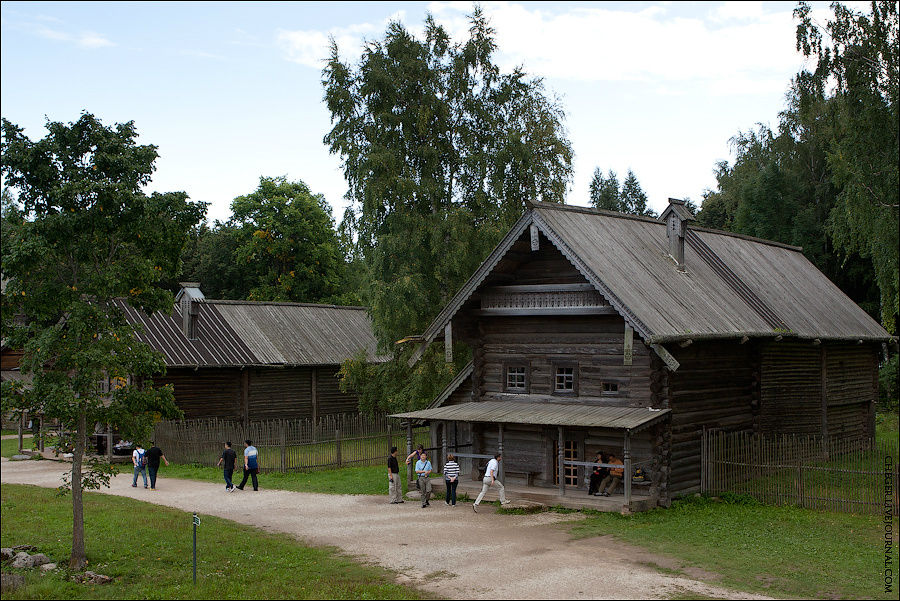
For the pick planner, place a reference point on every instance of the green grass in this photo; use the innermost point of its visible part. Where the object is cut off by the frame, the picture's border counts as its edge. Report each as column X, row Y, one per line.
column 887, row 426
column 778, row 551
column 147, row 550
column 10, row 447
column 370, row 480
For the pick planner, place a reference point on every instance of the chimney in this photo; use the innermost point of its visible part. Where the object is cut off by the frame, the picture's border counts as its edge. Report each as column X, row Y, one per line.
column 188, row 301
column 677, row 218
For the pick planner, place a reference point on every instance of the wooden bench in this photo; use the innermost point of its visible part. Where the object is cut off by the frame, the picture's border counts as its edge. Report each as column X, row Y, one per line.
column 528, row 475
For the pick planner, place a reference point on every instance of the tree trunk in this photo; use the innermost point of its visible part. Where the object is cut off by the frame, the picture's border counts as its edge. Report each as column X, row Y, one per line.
column 78, row 558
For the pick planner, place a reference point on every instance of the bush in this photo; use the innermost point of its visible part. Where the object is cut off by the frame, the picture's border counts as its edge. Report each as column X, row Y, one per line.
column 887, row 383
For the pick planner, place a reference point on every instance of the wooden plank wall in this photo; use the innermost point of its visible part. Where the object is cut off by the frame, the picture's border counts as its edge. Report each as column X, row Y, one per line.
column 328, row 393
column 595, row 343
column 11, row 358
column 205, row 392
column 280, row 393
column 852, row 390
column 715, row 387
column 790, row 388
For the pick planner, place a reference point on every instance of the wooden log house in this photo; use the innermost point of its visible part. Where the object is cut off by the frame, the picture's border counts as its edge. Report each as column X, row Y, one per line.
column 599, row 331
column 248, row 360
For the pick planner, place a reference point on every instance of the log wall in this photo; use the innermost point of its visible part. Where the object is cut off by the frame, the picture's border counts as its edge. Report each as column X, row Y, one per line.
column 594, row 343
column 715, row 387
column 271, row 393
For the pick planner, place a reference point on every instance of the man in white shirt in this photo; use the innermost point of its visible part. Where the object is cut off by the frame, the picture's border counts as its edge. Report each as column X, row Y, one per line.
column 490, row 478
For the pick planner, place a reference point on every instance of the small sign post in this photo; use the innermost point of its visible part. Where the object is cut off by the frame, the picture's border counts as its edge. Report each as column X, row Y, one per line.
column 196, row 523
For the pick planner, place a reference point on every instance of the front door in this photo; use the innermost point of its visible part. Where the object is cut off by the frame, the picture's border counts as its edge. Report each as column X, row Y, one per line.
column 570, row 453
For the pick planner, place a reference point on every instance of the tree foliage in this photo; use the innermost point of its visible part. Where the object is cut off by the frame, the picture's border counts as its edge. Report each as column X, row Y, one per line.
column 80, row 233
column 795, row 185
column 859, row 54
column 441, row 151
column 286, row 239
column 608, row 195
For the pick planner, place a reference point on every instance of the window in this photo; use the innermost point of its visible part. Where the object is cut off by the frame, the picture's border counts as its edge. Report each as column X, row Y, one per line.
column 610, row 387
column 564, row 379
column 516, row 378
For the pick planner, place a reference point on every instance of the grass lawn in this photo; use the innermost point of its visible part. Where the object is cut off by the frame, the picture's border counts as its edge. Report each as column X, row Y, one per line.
column 147, row 550
column 777, row 551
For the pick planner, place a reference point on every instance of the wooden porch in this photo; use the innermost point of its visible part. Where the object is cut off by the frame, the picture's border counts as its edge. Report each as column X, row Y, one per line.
column 521, row 495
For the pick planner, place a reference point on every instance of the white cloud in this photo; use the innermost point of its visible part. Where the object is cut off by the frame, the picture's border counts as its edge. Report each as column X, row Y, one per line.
column 85, row 39
column 310, row 47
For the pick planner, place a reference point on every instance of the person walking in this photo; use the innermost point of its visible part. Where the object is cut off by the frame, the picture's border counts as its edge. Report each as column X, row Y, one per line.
column 251, row 465
column 139, row 459
column 228, row 461
column 154, row 454
column 395, row 484
column 490, row 479
column 451, row 480
column 418, row 455
column 423, row 470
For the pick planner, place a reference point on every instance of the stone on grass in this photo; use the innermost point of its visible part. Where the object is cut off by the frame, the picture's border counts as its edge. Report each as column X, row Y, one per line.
column 47, row 567
column 23, row 560
column 20, row 457
column 94, row 578
column 6, row 553
column 10, row 582
column 24, row 548
column 413, row 495
column 39, row 559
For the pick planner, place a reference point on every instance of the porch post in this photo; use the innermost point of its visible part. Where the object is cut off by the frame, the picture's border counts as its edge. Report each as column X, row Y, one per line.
column 626, row 509
column 561, row 458
column 109, row 442
column 500, row 469
column 409, row 445
column 443, row 445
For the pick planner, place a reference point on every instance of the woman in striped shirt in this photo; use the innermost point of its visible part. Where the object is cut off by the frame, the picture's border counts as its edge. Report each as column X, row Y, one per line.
column 451, row 480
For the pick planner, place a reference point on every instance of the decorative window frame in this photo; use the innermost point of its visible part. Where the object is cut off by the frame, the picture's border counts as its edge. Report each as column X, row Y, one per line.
column 505, row 375
column 557, row 365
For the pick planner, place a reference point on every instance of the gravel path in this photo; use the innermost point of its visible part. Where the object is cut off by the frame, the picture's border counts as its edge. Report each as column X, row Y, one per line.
column 451, row 552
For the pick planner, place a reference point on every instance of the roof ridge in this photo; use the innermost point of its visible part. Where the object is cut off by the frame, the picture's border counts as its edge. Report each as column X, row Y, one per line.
column 281, row 303
column 593, row 211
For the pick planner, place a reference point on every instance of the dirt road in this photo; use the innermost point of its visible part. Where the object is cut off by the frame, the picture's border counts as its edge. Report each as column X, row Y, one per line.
column 452, row 552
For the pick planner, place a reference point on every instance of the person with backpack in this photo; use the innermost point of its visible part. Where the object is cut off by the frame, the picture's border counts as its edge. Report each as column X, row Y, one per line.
column 251, row 465
column 139, row 459
column 228, row 460
column 154, row 454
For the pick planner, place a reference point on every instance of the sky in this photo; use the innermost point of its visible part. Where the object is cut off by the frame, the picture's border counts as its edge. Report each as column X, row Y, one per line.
column 232, row 91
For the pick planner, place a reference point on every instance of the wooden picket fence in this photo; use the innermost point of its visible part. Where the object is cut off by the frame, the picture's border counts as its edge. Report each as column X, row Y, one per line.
column 332, row 441
column 844, row 475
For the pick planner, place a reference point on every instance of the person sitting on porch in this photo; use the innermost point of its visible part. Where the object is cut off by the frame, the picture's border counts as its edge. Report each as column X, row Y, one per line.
column 598, row 474
column 490, row 478
column 610, row 483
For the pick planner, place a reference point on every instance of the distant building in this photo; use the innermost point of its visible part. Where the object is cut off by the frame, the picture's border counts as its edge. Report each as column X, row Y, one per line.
column 248, row 360
column 598, row 331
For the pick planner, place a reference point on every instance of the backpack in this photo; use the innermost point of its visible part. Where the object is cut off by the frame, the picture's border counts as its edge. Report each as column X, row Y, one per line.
column 640, row 475
column 142, row 458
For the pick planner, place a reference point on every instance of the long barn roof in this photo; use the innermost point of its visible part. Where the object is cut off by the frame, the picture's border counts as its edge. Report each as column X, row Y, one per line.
column 243, row 333
column 733, row 285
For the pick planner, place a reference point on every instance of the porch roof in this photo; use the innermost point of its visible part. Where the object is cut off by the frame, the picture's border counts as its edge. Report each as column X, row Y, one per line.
column 545, row 414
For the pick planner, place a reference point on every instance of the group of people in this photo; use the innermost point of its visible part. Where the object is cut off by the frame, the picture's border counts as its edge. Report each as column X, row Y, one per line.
column 604, row 480
column 424, row 468
column 148, row 461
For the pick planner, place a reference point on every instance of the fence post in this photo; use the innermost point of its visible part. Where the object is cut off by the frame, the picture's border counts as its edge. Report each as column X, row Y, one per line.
column 409, row 445
column 704, row 488
column 337, row 444
column 283, row 448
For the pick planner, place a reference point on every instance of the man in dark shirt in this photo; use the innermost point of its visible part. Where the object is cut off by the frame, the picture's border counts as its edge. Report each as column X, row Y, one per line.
column 227, row 461
column 153, row 457
column 395, row 486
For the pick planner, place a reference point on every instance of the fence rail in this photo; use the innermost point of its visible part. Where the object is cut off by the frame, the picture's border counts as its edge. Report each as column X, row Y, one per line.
column 332, row 441
column 857, row 475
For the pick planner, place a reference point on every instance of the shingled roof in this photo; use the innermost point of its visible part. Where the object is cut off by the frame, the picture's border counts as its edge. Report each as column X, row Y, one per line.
column 733, row 285
column 245, row 333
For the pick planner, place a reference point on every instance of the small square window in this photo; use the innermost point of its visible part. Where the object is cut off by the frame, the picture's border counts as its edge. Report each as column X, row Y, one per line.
column 516, row 378
column 565, row 379
column 610, row 387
